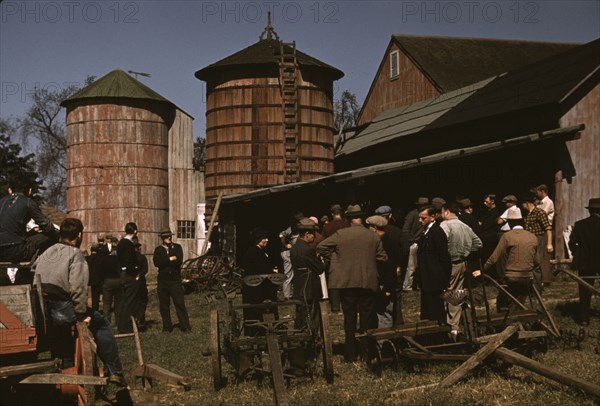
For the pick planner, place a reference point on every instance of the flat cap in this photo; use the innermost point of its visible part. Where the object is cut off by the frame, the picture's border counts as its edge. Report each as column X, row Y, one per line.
column 509, row 198
column 466, row 202
column 438, row 202
column 383, row 210
column 377, row 221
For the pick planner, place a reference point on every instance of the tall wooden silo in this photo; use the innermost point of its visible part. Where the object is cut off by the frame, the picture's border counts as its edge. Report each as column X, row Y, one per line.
column 269, row 117
column 117, row 157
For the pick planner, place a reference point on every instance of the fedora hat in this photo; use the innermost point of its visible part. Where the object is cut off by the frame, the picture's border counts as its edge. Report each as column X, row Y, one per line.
column 165, row 233
column 306, row 225
column 593, row 203
column 354, row 211
column 422, row 201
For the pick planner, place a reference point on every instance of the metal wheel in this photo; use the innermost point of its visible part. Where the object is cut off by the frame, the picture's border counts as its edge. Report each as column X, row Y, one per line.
column 215, row 349
column 327, row 349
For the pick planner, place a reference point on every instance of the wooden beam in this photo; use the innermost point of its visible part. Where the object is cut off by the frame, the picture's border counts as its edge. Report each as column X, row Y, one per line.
column 64, row 379
column 42, row 366
column 213, row 216
column 548, row 315
column 579, row 280
column 471, row 363
column 527, row 363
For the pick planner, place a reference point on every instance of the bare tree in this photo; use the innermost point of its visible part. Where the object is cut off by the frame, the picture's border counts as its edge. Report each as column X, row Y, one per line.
column 346, row 111
column 43, row 126
column 345, row 116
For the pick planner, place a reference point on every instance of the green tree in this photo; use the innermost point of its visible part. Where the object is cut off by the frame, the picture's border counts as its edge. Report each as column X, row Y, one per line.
column 44, row 126
column 14, row 164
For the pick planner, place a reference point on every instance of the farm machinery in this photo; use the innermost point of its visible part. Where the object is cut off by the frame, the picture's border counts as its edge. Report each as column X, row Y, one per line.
column 273, row 346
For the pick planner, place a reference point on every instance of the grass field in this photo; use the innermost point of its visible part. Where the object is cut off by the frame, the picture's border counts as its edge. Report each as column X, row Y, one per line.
column 354, row 384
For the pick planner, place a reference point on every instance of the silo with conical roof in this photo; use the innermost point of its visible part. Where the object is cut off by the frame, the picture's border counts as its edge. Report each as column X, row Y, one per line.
column 269, row 117
column 117, row 157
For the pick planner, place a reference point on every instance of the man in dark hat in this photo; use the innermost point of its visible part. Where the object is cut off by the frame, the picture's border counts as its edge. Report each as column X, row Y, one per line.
column 140, row 314
column 412, row 231
column 16, row 210
column 307, row 268
column 466, row 213
column 585, row 246
column 353, row 253
column 95, row 279
column 168, row 258
column 130, row 279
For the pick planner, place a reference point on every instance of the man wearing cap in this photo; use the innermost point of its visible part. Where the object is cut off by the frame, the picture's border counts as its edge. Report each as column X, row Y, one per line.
column 488, row 227
column 307, row 268
column 585, row 246
column 336, row 223
column 462, row 243
column 385, row 297
column 111, row 280
column 392, row 240
column 412, row 231
column 518, row 247
column 168, row 258
column 130, row 276
column 537, row 223
column 466, row 213
column 353, row 253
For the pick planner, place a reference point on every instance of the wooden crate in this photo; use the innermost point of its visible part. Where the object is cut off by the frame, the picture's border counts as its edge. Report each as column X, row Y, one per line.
column 17, row 320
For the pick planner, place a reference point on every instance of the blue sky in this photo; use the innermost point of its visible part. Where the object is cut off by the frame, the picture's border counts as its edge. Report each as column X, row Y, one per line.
column 53, row 43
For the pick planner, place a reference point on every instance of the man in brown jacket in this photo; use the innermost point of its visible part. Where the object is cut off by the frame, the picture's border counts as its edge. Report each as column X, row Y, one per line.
column 353, row 253
column 519, row 247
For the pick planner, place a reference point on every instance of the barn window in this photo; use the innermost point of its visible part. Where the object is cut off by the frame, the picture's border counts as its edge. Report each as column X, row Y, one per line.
column 186, row 229
column 394, row 64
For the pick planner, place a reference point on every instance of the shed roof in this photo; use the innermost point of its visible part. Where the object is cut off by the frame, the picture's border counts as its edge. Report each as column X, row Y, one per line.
column 565, row 133
column 265, row 52
column 116, row 84
column 547, row 82
column 454, row 62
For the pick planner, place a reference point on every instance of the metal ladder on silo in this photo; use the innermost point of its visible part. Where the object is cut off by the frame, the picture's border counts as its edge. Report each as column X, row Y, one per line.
column 288, row 68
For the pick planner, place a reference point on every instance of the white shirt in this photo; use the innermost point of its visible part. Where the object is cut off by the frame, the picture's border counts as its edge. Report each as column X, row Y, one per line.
column 548, row 206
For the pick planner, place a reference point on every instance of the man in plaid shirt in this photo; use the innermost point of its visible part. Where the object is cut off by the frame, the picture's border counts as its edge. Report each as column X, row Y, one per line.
column 538, row 224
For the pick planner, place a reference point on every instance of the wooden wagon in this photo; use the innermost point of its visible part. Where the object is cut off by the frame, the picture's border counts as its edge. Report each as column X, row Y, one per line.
column 23, row 339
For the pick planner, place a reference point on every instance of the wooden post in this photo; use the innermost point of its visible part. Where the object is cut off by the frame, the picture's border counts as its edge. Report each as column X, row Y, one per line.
column 527, row 363
column 214, row 215
column 548, row 315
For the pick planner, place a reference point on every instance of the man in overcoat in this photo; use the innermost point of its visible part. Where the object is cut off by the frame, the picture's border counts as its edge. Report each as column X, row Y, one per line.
column 130, row 276
column 585, row 246
column 353, row 253
column 434, row 266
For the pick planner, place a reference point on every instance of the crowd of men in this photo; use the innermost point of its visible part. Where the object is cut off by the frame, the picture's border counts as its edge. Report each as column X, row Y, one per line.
column 114, row 270
column 369, row 259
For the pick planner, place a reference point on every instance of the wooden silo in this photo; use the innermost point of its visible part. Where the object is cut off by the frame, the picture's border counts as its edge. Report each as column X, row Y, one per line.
column 269, row 117
column 117, row 157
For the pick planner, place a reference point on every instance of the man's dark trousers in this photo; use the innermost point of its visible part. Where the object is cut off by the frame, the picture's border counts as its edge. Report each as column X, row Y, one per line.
column 167, row 289
column 356, row 301
column 129, row 302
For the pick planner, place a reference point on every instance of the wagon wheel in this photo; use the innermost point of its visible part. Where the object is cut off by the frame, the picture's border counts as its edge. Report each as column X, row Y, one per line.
column 327, row 349
column 215, row 349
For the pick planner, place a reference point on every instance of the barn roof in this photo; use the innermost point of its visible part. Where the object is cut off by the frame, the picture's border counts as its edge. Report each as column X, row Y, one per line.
column 556, row 81
column 116, row 84
column 454, row 62
column 265, row 53
column 380, row 169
